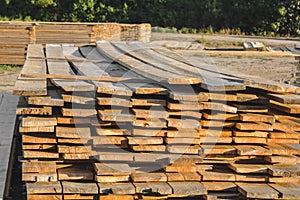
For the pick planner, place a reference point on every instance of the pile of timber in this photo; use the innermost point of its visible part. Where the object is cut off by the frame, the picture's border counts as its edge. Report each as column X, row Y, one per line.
column 16, row 35
column 130, row 120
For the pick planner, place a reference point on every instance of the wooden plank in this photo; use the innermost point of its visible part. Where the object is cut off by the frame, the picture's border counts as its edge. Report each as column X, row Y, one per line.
column 187, row 176
column 38, row 121
column 44, row 188
column 141, row 68
column 284, row 170
column 149, row 114
column 144, row 140
column 259, row 126
column 287, row 190
column 247, row 168
column 35, row 86
column 39, row 139
column 73, row 132
column 219, row 107
column 79, row 188
column 112, row 179
column 78, row 112
column 285, row 98
column 248, row 150
column 117, row 197
column 288, row 108
column 188, row 188
column 221, row 116
column 149, row 177
column 257, row 118
column 282, row 159
column 152, row 188
column 39, row 154
column 60, row 67
column 219, row 186
column 75, row 173
column 262, row 191
column 53, row 99
column 117, row 189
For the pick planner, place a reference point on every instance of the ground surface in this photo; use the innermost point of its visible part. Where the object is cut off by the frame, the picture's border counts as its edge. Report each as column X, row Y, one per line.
column 278, row 66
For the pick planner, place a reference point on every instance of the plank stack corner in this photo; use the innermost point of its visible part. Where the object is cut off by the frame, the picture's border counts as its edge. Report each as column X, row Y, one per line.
column 132, row 120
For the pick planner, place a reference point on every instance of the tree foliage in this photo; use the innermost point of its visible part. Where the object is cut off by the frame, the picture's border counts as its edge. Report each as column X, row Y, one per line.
column 278, row 17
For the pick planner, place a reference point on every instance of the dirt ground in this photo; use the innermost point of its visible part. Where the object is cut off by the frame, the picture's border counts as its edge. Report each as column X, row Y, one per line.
column 277, row 66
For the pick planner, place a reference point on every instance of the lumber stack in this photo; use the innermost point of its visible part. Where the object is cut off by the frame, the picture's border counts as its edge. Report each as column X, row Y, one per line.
column 131, row 120
column 16, row 35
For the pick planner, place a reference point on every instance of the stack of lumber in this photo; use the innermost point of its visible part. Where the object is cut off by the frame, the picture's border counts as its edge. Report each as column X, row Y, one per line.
column 131, row 120
column 16, row 35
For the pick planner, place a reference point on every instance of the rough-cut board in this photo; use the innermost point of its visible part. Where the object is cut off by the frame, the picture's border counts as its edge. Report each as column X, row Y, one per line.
column 287, row 190
column 33, row 86
column 261, row 191
column 143, row 69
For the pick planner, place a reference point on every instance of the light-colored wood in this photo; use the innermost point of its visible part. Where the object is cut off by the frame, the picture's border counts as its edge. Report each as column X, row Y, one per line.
column 154, row 187
column 38, row 121
column 78, row 112
column 288, row 108
column 116, row 197
column 39, row 154
column 284, row 170
column 44, row 188
column 38, row 139
column 287, row 190
column 259, row 126
column 112, row 169
column 121, row 189
column 72, row 173
column 144, row 140
column 262, row 191
column 248, row 150
column 187, row 176
column 257, row 118
column 73, row 132
column 79, row 188
column 149, row 177
column 247, row 168
column 112, row 179
column 188, row 188
column 219, row 107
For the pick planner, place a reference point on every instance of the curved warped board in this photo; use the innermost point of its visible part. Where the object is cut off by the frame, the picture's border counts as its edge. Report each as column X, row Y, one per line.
column 62, row 67
column 140, row 52
column 142, row 68
column 211, row 80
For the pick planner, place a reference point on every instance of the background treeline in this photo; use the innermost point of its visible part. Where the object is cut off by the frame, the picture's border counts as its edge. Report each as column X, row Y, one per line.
column 261, row 17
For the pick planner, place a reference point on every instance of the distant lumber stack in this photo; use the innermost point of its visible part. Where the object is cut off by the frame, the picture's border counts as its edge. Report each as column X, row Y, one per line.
column 16, row 35
column 131, row 120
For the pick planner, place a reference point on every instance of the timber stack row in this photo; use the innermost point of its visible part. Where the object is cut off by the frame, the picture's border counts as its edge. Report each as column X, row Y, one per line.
column 16, row 35
column 131, row 120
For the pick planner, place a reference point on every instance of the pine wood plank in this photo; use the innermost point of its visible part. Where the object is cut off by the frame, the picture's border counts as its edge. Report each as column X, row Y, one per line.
column 262, row 191
column 44, row 188
column 117, row 189
column 79, row 188
column 188, row 188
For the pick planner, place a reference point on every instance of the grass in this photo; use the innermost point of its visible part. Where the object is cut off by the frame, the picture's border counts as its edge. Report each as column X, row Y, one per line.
column 220, row 43
column 9, row 68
